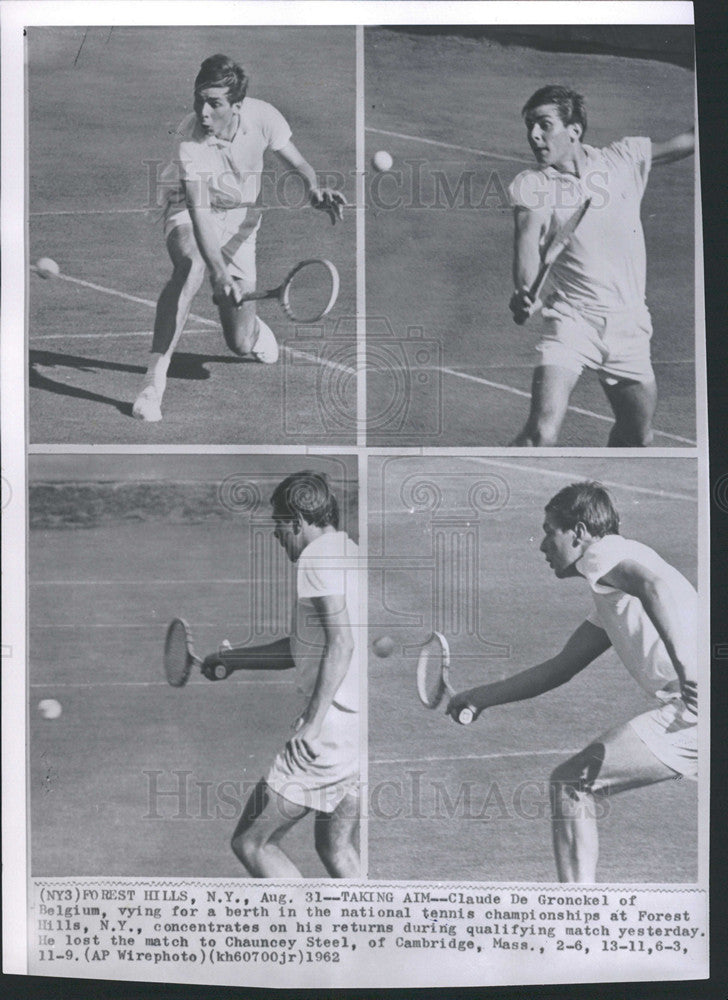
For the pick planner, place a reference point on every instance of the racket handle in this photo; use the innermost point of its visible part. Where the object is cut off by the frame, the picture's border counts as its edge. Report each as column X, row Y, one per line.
column 466, row 716
column 221, row 672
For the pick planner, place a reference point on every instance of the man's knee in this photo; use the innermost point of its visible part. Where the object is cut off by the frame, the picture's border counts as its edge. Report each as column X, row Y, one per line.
column 189, row 272
column 247, row 843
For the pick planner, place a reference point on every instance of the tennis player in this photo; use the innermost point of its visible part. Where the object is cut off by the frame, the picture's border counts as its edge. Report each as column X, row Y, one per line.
column 317, row 770
column 212, row 218
column 595, row 315
column 647, row 611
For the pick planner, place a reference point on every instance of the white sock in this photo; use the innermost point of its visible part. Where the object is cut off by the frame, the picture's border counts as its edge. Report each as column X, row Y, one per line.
column 156, row 373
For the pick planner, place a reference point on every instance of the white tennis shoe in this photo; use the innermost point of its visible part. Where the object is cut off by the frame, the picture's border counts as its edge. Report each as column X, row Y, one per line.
column 147, row 405
column 266, row 346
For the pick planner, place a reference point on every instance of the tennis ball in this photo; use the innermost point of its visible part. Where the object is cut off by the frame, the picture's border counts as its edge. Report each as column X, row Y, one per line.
column 382, row 160
column 49, row 708
column 46, row 267
column 383, row 646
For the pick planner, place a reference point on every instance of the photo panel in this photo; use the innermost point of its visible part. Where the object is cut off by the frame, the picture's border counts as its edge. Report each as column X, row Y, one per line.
column 462, row 547
column 453, row 358
column 138, row 767
column 122, row 322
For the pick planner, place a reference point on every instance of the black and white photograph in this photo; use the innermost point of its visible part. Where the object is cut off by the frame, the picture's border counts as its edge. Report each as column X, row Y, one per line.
column 496, row 754
column 356, row 499
column 174, row 175
column 531, row 231
column 194, row 666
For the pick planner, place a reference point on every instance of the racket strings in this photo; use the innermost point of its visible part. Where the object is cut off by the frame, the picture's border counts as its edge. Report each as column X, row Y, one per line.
column 311, row 291
column 430, row 682
column 176, row 654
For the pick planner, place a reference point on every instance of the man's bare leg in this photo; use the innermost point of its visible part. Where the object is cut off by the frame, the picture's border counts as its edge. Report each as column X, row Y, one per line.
column 550, row 391
column 173, row 308
column 336, row 835
column 266, row 818
column 615, row 763
column 634, row 405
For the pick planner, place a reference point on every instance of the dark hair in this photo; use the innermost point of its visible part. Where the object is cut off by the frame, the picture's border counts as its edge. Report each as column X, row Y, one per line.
column 221, row 71
column 588, row 502
column 309, row 495
column 570, row 105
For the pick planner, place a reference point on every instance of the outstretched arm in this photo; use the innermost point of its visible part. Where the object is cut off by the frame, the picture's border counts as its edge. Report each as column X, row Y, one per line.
column 271, row 656
column 327, row 199
column 664, row 612
column 584, row 645
column 676, row 148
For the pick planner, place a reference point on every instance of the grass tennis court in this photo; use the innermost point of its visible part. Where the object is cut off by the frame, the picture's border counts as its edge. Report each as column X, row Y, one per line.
column 120, row 546
column 454, row 546
column 102, row 106
column 439, row 235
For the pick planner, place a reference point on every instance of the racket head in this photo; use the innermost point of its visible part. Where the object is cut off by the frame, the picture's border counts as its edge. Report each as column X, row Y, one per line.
column 310, row 290
column 179, row 654
column 433, row 671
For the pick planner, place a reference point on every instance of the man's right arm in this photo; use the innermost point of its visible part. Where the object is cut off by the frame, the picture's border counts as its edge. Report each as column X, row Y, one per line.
column 585, row 645
column 530, row 225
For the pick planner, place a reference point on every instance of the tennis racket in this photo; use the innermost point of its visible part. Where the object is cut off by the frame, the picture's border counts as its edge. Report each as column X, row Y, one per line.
column 552, row 249
column 308, row 293
column 180, row 657
column 433, row 676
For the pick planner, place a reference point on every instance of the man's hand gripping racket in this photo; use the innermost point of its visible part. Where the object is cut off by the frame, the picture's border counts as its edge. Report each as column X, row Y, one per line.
column 433, row 677
column 180, row 657
column 524, row 301
column 308, row 292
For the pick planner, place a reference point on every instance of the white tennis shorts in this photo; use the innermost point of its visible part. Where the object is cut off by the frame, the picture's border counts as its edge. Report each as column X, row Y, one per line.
column 324, row 782
column 671, row 733
column 236, row 237
column 617, row 346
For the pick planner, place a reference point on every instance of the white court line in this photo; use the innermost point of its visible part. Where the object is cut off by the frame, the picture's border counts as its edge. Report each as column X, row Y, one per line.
column 158, row 626
column 575, row 476
column 450, row 145
column 136, row 583
column 574, row 409
column 162, row 684
column 475, row 756
column 125, row 295
column 93, row 211
column 202, row 319
column 105, row 335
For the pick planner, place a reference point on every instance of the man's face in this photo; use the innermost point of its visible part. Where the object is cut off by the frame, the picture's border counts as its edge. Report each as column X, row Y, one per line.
column 289, row 534
column 550, row 140
column 214, row 111
column 561, row 547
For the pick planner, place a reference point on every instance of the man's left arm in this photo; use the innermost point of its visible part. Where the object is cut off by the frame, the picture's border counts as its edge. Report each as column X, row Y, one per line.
column 674, row 149
column 325, row 199
column 663, row 611
column 335, row 661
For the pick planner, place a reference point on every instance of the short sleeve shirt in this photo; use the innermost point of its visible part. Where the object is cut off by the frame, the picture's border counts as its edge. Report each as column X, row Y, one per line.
column 226, row 172
column 603, row 268
column 625, row 620
column 329, row 566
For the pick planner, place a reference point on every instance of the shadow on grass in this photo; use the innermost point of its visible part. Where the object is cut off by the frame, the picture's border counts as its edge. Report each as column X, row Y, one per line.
column 185, row 366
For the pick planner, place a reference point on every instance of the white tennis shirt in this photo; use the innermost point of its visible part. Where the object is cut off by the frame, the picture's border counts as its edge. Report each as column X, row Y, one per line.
column 625, row 620
column 603, row 269
column 328, row 566
column 227, row 172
